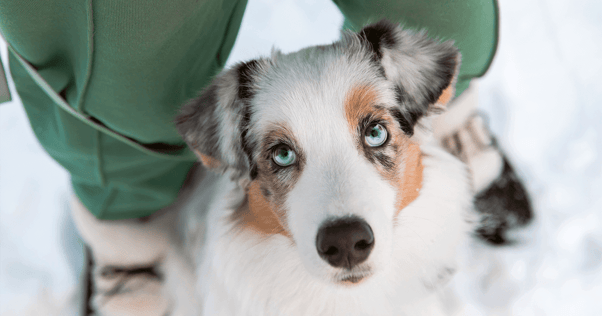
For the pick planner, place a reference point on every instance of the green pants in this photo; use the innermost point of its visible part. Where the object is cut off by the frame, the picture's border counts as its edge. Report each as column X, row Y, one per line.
column 101, row 81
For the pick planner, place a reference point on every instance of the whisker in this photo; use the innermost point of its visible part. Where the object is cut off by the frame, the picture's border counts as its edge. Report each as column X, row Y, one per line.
column 417, row 235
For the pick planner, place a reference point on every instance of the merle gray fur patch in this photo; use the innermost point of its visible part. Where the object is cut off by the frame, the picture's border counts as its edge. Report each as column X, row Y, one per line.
column 421, row 68
column 216, row 122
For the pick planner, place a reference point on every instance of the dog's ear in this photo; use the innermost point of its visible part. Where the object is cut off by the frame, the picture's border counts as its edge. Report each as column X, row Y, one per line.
column 215, row 124
column 423, row 70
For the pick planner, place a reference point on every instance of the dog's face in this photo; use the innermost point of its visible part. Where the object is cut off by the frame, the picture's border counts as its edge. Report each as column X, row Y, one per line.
column 326, row 137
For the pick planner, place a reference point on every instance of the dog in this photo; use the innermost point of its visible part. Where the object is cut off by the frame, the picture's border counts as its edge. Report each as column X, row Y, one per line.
column 324, row 192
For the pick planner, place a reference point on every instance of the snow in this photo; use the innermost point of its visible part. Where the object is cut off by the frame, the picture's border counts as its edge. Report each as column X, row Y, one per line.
column 542, row 97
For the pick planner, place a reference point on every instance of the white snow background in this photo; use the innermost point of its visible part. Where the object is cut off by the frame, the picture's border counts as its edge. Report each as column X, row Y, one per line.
column 542, row 94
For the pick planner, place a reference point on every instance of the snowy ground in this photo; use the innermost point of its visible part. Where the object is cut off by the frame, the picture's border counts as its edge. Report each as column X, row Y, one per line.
column 542, row 95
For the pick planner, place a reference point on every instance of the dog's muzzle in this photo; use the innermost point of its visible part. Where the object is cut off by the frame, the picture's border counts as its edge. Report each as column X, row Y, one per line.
column 345, row 243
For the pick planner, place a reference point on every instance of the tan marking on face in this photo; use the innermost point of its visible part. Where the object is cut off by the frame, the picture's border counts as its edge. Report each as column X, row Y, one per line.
column 359, row 102
column 259, row 214
column 266, row 195
column 410, row 183
column 446, row 95
column 406, row 175
column 208, row 161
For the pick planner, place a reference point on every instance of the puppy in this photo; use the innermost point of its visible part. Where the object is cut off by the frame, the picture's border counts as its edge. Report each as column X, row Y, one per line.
column 331, row 196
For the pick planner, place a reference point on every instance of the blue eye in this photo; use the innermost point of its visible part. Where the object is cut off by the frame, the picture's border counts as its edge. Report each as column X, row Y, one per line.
column 284, row 156
column 375, row 135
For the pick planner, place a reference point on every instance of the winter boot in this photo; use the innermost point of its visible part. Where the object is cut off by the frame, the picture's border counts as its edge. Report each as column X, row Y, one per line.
column 500, row 198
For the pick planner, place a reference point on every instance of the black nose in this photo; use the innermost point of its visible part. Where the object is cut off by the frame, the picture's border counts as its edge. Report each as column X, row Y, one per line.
column 345, row 242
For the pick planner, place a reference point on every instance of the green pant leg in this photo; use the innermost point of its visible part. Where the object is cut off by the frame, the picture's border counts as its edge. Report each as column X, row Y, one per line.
column 4, row 91
column 472, row 24
column 128, row 67
column 113, row 179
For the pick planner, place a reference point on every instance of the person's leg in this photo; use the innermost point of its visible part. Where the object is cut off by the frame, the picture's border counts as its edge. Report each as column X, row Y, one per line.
column 124, row 257
column 127, row 257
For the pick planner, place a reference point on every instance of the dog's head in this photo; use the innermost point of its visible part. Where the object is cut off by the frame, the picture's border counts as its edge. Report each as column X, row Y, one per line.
column 327, row 138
